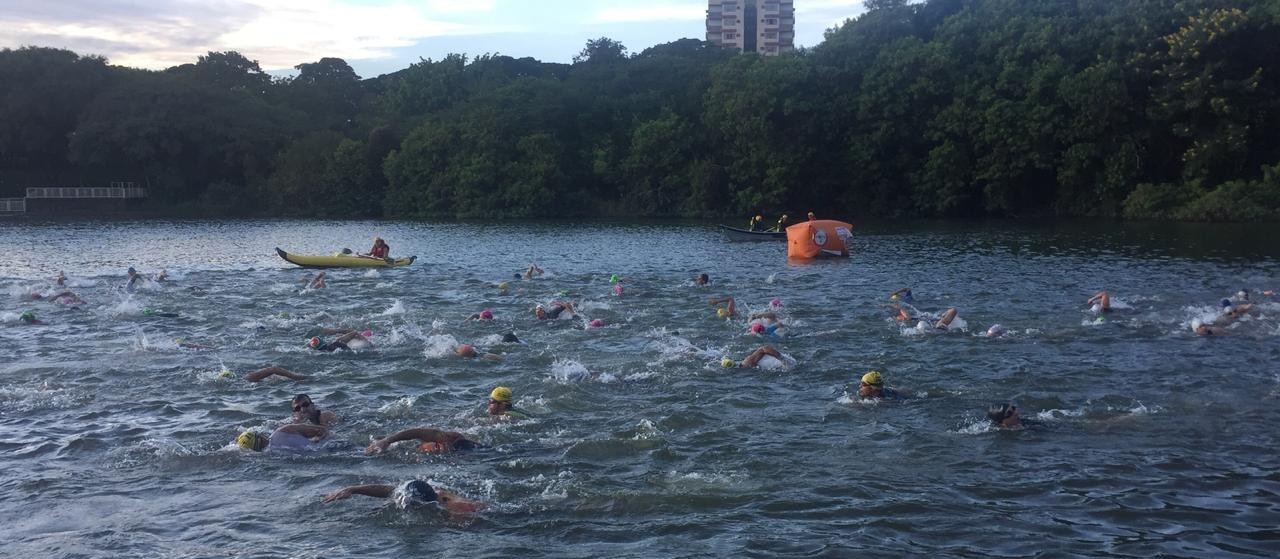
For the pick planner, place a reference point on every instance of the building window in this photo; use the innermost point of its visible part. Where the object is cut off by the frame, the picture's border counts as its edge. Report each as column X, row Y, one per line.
column 771, row 21
column 730, row 35
column 771, row 35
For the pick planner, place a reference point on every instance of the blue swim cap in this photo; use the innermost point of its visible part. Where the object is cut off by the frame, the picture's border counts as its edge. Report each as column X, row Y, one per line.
column 1226, row 303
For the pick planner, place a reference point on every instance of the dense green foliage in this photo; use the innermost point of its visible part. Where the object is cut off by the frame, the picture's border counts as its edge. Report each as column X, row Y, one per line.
column 1144, row 109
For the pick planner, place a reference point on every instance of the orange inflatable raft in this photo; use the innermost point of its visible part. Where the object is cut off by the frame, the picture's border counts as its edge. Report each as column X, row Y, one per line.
column 822, row 238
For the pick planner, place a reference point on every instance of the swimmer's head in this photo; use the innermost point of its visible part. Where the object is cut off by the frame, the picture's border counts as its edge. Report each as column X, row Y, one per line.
column 873, row 378
column 413, row 493
column 595, row 323
column 250, row 440
column 727, row 362
column 510, row 338
column 1225, row 303
column 995, row 330
column 893, row 297
column 1097, row 307
column 540, row 312
column 502, row 285
column 617, row 289
column 432, row 447
column 486, row 314
column 703, row 279
column 36, row 296
column 722, row 312
column 314, row 342
column 132, row 271
column 28, row 317
column 757, row 328
column 465, row 350
column 1242, row 295
column 613, row 278
column 775, row 302
column 501, row 394
column 998, row 413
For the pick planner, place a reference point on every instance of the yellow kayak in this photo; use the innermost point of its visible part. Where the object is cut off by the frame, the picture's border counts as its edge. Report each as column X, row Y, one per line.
column 343, row 260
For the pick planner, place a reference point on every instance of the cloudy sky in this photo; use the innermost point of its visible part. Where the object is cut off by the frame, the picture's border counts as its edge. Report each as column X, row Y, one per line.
column 374, row 36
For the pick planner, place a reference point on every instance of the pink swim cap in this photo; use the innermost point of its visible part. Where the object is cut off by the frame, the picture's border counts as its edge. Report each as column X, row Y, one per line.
column 757, row 328
column 617, row 289
column 486, row 314
column 595, row 323
column 366, row 333
column 775, row 302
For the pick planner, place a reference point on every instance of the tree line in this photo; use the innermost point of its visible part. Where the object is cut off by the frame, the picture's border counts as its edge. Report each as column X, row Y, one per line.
column 1145, row 109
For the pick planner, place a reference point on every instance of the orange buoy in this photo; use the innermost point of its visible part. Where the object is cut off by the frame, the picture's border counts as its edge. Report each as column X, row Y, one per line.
column 822, row 238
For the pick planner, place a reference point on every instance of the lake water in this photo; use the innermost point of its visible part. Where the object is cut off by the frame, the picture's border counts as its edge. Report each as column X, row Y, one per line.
column 1152, row 441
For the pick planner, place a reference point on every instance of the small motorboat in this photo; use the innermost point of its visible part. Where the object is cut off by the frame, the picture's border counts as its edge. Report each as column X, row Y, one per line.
column 344, row 260
column 736, row 234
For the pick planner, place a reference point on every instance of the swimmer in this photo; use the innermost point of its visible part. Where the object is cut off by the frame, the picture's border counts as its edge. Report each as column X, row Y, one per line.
column 1100, row 302
column 267, row 372
column 306, row 411
column 409, row 495
column 316, row 282
column 727, row 311
column 482, row 315
column 342, row 342
column 429, row 440
column 542, row 313
column 468, row 351
column 1004, row 416
column 1232, row 313
column 754, row 358
column 134, row 279
column 29, row 317
column 595, row 323
column 702, row 280
column 294, row 436
column 533, row 270
column 903, row 294
column 162, row 275
column 502, row 287
column 510, row 338
column 500, row 404
column 995, row 331
column 1208, row 330
column 903, row 315
column 871, row 387
column 60, row 280
column 66, row 298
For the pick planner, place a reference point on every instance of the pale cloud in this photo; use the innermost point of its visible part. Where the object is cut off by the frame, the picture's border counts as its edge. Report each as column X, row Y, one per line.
column 277, row 33
column 651, row 12
column 459, row 6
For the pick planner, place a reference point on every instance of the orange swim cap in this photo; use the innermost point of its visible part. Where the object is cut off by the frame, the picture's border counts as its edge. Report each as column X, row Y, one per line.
column 432, row 447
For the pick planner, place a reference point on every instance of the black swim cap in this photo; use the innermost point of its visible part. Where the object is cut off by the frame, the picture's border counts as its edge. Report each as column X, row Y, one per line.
column 416, row 492
column 510, row 338
column 1000, row 412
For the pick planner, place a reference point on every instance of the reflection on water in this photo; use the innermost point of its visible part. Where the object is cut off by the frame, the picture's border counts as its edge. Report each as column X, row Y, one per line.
column 1151, row 441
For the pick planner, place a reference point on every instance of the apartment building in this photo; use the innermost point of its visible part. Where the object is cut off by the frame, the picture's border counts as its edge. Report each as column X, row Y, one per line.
column 766, row 27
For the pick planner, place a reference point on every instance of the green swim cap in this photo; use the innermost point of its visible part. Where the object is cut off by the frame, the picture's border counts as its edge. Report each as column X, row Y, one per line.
column 28, row 317
column 613, row 278
column 148, row 312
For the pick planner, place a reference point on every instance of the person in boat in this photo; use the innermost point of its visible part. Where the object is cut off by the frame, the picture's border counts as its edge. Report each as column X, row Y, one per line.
column 754, row 224
column 544, row 313
column 702, row 280
column 812, row 217
column 380, row 249
column 291, row 437
column 412, row 494
column 871, row 387
column 726, row 311
column 342, row 342
column 501, row 404
column 306, row 411
column 780, row 226
column 1100, row 302
column 428, row 439
column 753, row 359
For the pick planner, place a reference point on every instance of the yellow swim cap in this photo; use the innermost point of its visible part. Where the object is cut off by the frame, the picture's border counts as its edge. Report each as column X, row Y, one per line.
column 873, row 378
column 501, row 394
column 249, row 440
column 893, row 297
column 722, row 312
column 726, row 363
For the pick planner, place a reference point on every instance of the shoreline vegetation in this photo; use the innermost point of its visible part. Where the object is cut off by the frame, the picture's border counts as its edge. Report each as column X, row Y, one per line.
column 944, row 108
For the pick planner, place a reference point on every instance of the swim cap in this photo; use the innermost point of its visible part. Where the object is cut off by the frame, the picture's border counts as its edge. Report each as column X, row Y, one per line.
column 249, row 440
column 595, row 323
column 726, row 362
column 501, row 394
column 613, row 278
column 465, row 350
column 617, row 289
column 486, row 314
column 1000, row 412
column 413, row 493
column 873, row 378
column 366, row 333
column 28, row 317
column 431, row 447
column 510, row 338
column 1226, row 303
column 148, row 312
column 995, row 330
column 893, row 297
column 722, row 312
column 775, row 302
column 502, row 285
column 757, row 328
column 314, row 342
column 132, row 271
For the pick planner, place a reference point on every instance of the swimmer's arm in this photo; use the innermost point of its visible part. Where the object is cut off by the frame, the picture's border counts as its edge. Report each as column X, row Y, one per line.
column 423, row 434
column 455, row 504
column 308, row 431
column 261, row 374
column 900, row 291
column 766, row 314
column 379, row 491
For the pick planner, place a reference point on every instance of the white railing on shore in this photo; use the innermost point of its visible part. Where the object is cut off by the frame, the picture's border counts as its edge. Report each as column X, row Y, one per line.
column 85, row 192
column 13, row 205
